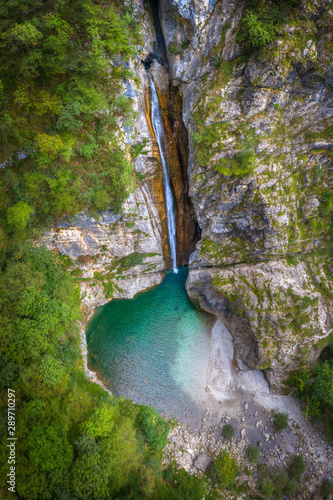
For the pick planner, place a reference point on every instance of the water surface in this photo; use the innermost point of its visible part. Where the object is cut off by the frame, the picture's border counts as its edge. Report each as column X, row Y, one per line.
column 154, row 348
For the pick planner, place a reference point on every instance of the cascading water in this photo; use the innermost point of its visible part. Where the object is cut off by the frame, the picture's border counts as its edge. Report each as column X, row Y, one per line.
column 157, row 123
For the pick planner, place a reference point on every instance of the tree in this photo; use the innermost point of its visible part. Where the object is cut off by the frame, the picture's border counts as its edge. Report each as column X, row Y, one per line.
column 18, row 216
column 297, row 468
column 323, row 383
column 101, row 422
column 121, row 454
column 49, row 448
column 89, row 477
column 253, row 454
column 228, row 431
column 52, row 370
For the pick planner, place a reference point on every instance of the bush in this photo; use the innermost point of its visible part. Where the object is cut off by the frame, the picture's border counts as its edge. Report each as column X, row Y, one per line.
column 174, row 48
column 224, row 469
column 281, row 421
column 228, row 431
column 262, row 20
column 253, row 454
column 52, row 370
column 18, row 216
column 327, row 488
column 155, row 430
column 184, row 485
column 131, row 260
column 297, row 468
column 272, row 482
column 291, row 488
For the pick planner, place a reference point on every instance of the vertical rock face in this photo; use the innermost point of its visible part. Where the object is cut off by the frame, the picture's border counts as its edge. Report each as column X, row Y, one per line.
column 118, row 255
column 171, row 109
column 260, row 176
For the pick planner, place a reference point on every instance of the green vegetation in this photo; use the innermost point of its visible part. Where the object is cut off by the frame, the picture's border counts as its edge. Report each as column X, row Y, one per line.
column 138, row 149
column 244, row 161
column 253, row 454
column 274, row 483
column 208, row 138
column 280, row 421
column 133, row 259
column 327, row 488
column 153, row 427
column 179, row 485
column 228, row 431
column 75, row 440
column 262, row 20
column 175, row 48
column 204, row 140
column 60, row 104
column 297, row 468
column 224, row 470
column 315, row 388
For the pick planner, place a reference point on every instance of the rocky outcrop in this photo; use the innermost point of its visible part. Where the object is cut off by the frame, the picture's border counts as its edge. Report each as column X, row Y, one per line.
column 113, row 256
column 278, row 314
column 260, row 173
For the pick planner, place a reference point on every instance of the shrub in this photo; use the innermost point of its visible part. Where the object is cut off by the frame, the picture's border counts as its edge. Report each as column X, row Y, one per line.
column 327, row 488
column 155, row 430
column 184, row 485
column 228, row 431
column 225, row 469
column 18, row 216
column 291, row 488
column 281, row 421
column 322, row 387
column 253, row 454
column 326, row 203
column 297, row 468
column 174, row 48
column 262, row 20
column 133, row 259
column 8, row 373
column 260, row 31
column 272, row 482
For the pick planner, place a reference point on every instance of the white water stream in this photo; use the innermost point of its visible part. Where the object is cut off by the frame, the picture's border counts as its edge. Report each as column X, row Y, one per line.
column 160, row 135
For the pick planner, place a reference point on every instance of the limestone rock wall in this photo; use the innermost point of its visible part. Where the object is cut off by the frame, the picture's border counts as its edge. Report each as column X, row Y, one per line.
column 113, row 256
column 118, row 255
column 260, row 173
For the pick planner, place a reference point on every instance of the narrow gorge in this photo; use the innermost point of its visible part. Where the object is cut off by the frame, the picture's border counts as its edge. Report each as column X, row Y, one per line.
column 231, row 145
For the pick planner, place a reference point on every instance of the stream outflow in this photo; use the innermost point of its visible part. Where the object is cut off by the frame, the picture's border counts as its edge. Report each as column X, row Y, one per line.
column 160, row 135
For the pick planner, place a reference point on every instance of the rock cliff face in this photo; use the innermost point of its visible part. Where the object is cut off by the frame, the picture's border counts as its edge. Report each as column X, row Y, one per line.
column 250, row 144
column 260, row 175
column 118, row 255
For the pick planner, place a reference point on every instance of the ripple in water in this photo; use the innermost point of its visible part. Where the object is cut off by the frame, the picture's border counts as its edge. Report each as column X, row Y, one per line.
column 154, row 348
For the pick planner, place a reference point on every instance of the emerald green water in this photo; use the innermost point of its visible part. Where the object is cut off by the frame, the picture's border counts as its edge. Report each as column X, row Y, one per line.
column 154, row 348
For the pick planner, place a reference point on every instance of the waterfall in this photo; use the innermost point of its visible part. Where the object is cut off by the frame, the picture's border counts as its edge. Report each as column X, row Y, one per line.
column 157, row 123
